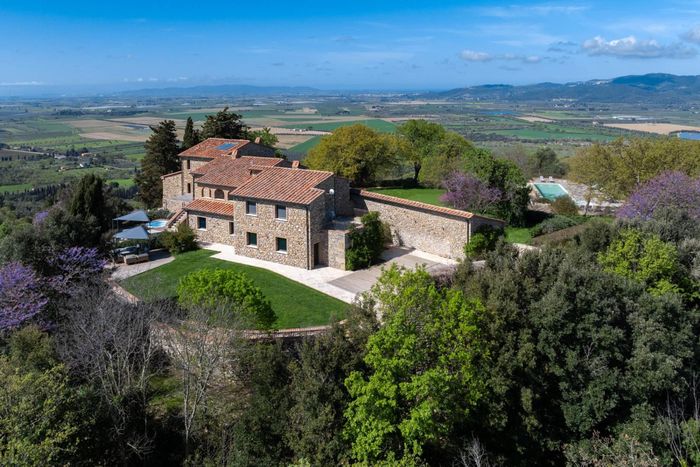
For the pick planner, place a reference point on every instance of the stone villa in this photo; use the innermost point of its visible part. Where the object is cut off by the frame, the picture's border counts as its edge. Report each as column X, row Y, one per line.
column 239, row 193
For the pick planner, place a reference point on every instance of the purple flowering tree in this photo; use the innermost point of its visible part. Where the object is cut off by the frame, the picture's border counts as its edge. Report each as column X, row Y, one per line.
column 465, row 191
column 673, row 190
column 21, row 298
column 40, row 217
column 75, row 265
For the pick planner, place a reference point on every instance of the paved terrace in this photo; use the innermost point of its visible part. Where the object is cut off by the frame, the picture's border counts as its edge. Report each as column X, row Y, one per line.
column 343, row 285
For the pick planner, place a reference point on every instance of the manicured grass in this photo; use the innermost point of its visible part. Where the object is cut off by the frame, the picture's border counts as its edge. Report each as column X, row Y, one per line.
column 424, row 195
column 303, row 148
column 376, row 124
column 295, row 304
column 518, row 235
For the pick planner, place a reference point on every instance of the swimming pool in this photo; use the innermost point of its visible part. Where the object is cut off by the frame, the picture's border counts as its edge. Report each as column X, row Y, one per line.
column 157, row 224
column 551, row 191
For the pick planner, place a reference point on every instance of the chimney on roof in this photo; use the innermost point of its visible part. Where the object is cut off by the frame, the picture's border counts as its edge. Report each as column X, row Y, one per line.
column 257, row 140
column 234, row 154
column 295, row 164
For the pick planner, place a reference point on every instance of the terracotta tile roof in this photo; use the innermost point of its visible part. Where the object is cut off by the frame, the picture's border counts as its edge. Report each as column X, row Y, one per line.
column 232, row 172
column 172, row 174
column 415, row 204
column 222, row 208
column 212, row 148
column 285, row 185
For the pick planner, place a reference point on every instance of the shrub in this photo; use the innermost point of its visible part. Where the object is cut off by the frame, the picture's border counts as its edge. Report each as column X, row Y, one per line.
column 482, row 241
column 564, row 206
column 212, row 288
column 366, row 243
column 180, row 241
column 553, row 224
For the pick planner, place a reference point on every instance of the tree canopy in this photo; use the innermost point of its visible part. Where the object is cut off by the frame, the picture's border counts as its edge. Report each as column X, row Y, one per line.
column 224, row 124
column 356, row 152
column 161, row 158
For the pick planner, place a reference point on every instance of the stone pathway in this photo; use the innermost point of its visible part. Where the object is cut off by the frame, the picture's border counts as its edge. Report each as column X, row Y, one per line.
column 343, row 285
column 158, row 258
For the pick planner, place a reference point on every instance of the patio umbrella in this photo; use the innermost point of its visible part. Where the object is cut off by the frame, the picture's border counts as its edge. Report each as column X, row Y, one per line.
column 134, row 233
column 135, row 216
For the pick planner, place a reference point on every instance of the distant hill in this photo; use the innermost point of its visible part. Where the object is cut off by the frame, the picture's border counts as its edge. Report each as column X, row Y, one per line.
column 221, row 90
column 655, row 88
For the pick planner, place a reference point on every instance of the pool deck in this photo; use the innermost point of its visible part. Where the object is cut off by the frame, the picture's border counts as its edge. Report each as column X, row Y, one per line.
column 577, row 192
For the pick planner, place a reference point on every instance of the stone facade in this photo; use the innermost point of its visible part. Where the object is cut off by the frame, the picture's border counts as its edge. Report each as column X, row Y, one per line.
column 217, row 230
column 295, row 229
column 338, row 243
column 430, row 231
column 172, row 189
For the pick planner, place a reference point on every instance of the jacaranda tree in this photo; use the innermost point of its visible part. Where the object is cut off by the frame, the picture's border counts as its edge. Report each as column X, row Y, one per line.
column 21, row 298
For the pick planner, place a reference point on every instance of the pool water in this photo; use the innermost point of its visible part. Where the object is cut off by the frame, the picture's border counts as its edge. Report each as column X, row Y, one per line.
column 551, row 191
column 157, row 224
column 692, row 135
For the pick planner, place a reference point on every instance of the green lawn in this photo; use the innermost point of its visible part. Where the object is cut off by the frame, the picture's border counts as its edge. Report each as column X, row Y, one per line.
column 518, row 235
column 424, row 195
column 295, row 304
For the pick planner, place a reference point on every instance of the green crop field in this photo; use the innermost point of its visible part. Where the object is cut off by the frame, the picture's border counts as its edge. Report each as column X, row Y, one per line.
column 553, row 134
column 15, row 188
column 374, row 123
column 295, row 304
column 123, row 182
column 304, row 147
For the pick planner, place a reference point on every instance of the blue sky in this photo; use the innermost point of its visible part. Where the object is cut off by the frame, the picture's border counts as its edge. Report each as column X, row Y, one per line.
column 354, row 44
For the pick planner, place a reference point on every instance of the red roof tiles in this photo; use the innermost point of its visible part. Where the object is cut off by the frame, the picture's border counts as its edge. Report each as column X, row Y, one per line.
column 232, row 172
column 210, row 206
column 212, row 148
column 286, row 185
column 415, row 204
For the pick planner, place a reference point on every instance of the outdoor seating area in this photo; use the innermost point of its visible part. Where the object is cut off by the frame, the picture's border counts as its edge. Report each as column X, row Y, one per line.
column 136, row 236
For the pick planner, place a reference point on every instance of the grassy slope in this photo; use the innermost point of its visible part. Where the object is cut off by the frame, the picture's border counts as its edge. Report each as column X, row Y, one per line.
column 295, row 304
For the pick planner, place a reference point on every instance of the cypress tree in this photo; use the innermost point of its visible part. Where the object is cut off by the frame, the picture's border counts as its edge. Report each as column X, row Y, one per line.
column 191, row 136
column 161, row 158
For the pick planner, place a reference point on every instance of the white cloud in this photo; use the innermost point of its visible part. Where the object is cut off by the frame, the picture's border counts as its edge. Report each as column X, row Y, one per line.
column 23, row 83
column 631, row 47
column 473, row 56
column 543, row 9
column 692, row 35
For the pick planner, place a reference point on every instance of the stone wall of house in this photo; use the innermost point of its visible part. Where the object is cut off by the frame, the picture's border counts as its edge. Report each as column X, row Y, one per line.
column 477, row 222
column 318, row 217
column 339, row 202
column 172, row 188
column 267, row 228
column 429, row 231
column 217, row 230
column 338, row 243
column 186, row 177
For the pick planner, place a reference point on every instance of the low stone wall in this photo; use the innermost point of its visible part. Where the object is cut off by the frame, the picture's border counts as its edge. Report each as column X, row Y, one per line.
column 420, row 226
column 338, row 243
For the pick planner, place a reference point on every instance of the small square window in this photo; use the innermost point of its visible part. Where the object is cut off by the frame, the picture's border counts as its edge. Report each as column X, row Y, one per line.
column 281, row 245
column 252, row 239
column 251, row 208
column 281, row 212
column 202, row 223
column 231, row 228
